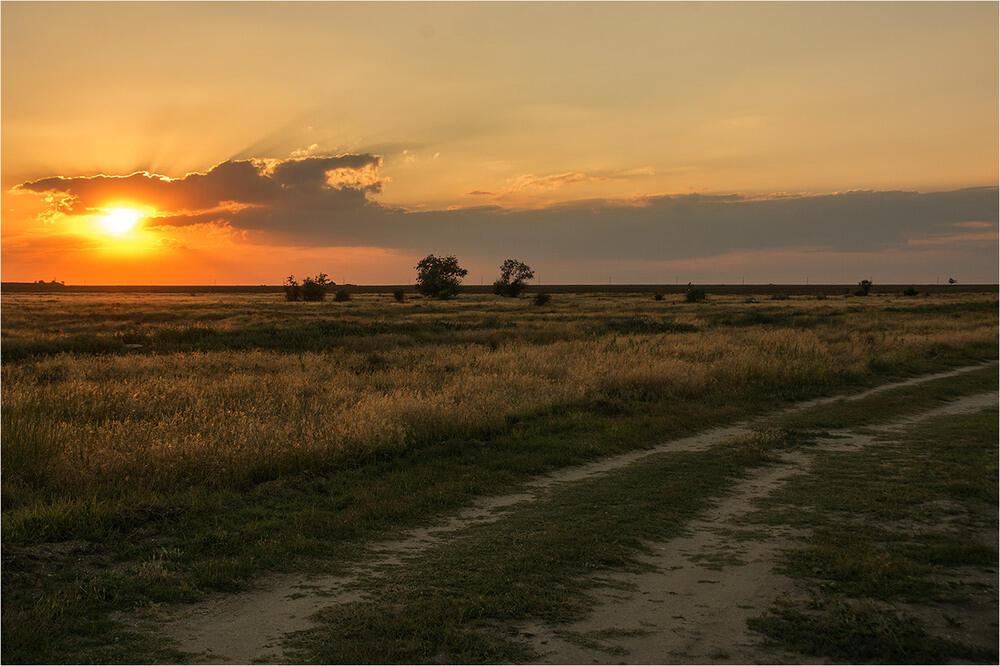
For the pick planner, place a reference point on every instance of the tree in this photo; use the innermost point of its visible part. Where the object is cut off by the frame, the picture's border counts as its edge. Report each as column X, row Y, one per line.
column 865, row 288
column 314, row 288
column 293, row 291
column 513, row 276
column 439, row 277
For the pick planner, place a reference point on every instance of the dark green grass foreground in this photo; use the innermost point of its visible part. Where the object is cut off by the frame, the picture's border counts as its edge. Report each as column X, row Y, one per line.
column 455, row 603
column 904, row 532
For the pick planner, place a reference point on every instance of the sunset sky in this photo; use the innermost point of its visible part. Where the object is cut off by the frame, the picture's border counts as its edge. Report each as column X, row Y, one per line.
column 236, row 143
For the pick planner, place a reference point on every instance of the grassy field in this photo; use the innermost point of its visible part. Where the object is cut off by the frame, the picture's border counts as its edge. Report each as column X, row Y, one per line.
column 161, row 447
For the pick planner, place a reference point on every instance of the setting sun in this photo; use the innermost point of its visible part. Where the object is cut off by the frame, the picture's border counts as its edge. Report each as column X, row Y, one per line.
column 119, row 221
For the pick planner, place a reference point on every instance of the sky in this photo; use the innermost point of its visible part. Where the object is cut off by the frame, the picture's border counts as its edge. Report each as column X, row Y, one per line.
column 238, row 143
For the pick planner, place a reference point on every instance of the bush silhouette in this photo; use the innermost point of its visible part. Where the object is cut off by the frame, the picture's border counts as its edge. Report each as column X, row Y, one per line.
column 311, row 289
column 514, row 276
column 541, row 298
column 439, row 277
column 695, row 295
column 657, row 296
column 314, row 288
column 342, row 295
column 864, row 288
column 399, row 295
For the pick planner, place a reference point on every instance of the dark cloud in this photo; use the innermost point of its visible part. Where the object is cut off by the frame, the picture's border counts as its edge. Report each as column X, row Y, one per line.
column 326, row 201
column 250, row 182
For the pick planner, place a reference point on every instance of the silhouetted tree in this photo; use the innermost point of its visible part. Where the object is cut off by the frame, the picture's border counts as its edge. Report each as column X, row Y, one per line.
column 865, row 287
column 514, row 276
column 314, row 288
column 439, row 277
column 952, row 281
column 293, row 292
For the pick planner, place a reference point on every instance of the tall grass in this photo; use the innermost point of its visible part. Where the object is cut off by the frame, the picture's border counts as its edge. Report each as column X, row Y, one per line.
column 109, row 426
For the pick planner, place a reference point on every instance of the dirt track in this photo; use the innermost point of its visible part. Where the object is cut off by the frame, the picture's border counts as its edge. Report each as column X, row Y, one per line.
column 711, row 582
column 704, row 601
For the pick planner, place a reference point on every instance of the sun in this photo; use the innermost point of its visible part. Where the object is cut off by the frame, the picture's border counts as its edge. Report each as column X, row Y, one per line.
column 120, row 220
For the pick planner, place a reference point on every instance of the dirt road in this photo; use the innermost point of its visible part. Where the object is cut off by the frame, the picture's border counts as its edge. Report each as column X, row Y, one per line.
column 686, row 608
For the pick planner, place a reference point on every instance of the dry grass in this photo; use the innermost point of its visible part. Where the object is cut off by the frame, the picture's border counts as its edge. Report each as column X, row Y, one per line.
column 109, row 424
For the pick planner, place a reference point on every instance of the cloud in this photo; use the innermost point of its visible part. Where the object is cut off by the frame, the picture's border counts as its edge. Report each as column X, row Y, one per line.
column 533, row 183
column 329, row 201
column 331, row 181
column 311, row 149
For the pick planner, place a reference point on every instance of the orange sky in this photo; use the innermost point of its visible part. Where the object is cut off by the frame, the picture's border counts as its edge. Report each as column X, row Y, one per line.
column 354, row 138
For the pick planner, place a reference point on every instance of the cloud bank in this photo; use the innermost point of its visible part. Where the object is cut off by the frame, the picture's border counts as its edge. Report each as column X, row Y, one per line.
column 316, row 200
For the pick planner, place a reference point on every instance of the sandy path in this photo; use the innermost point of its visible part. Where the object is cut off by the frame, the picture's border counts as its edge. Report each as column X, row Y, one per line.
column 249, row 626
column 694, row 605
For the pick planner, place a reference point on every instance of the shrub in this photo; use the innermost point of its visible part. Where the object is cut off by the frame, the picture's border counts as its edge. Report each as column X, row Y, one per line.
column 439, row 277
column 514, row 276
column 314, row 288
column 342, row 295
column 658, row 296
column 910, row 291
column 820, row 297
column 399, row 295
column 541, row 298
column 695, row 295
column 864, row 288
column 293, row 292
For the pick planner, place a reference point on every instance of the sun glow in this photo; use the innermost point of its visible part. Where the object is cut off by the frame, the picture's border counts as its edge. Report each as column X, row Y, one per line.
column 119, row 221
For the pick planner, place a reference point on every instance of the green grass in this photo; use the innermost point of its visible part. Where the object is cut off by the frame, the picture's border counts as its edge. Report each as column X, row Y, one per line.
column 894, row 526
column 864, row 634
column 456, row 603
column 898, row 402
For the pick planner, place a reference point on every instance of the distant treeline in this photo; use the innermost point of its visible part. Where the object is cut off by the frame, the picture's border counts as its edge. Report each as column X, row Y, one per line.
column 718, row 289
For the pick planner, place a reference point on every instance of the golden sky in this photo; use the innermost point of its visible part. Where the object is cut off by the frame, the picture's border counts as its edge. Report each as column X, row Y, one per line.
column 641, row 142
